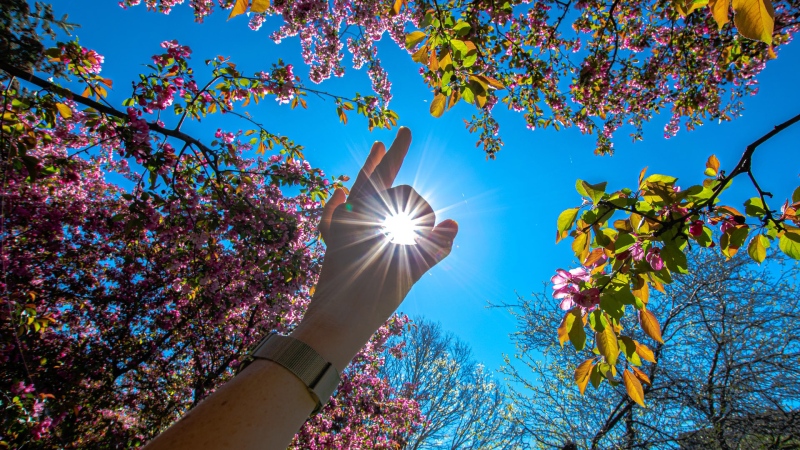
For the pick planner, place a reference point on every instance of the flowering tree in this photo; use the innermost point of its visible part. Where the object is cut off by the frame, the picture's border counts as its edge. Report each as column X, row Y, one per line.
column 620, row 63
column 124, row 307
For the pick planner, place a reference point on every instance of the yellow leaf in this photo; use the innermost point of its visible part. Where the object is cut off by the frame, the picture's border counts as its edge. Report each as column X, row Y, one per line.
column 657, row 284
column 582, row 373
column 633, row 386
column 446, row 60
column 580, row 245
column 566, row 325
column 719, row 10
column 396, row 7
column 644, row 352
column 755, row 19
column 607, row 344
column 239, row 8
column 437, row 105
column 641, row 289
column 650, row 325
column 421, row 55
column 64, row 110
column 758, row 248
column 641, row 176
column 259, row 6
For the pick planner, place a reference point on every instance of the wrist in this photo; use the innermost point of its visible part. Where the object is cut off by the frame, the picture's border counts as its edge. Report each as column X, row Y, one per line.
column 335, row 339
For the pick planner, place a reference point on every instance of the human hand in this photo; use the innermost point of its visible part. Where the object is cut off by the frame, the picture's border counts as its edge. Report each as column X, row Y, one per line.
column 364, row 276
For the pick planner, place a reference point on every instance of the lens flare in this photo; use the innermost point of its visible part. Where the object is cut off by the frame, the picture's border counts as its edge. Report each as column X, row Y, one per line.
column 400, row 228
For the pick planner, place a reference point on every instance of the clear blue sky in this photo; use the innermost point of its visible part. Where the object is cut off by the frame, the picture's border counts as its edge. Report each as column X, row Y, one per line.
column 506, row 208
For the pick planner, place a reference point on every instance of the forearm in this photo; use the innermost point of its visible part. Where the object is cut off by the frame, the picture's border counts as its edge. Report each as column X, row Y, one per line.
column 261, row 408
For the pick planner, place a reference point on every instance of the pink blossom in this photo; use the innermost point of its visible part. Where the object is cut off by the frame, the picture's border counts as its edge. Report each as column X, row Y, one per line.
column 654, row 258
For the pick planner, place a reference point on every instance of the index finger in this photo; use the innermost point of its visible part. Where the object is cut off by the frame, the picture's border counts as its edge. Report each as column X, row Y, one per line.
column 383, row 176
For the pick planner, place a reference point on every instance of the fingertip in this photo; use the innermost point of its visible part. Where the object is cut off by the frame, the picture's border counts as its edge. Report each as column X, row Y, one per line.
column 446, row 231
column 405, row 132
column 377, row 149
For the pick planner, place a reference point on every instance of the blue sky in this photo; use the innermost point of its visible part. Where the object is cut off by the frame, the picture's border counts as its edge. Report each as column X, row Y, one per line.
column 506, row 208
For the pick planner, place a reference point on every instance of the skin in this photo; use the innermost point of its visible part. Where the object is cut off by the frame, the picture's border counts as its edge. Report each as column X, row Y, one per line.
column 364, row 279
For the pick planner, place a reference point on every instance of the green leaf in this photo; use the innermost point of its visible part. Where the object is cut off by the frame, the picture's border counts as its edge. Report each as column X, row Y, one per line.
column 462, row 28
column 566, row 219
column 596, row 377
column 628, row 347
column 656, row 178
column 467, row 94
column 571, row 329
column 459, row 47
column 796, row 195
column 594, row 191
column 758, row 248
column 414, row 38
column 674, row 259
column 754, row 207
column 470, row 59
column 579, row 187
column 577, row 334
column 612, row 305
column 789, row 243
column 732, row 240
column 705, row 239
column 624, row 241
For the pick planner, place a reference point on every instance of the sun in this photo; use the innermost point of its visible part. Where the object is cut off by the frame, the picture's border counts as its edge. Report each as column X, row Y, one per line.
column 399, row 228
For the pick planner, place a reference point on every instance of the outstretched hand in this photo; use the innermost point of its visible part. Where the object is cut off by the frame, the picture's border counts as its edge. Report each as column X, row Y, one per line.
column 365, row 277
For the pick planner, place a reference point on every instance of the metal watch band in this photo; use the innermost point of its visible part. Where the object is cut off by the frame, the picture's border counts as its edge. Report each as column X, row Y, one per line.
column 318, row 375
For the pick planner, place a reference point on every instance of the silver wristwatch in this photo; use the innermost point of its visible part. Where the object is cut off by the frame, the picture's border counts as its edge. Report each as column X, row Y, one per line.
column 319, row 376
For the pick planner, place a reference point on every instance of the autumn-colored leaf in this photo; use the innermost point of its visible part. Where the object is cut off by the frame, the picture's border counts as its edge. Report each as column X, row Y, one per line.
column 641, row 175
column 641, row 289
column 566, row 325
column 650, row 325
column 754, row 19
column 64, row 110
column 433, row 61
column 644, row 352
column 595, row 256
column 719, row 10
column 607, row 344
column 421, row 55
column 437, row 105
column 396, row 7
column 580, row 245
column 414, row 38
column 240, row 7
column 712, row 166
column 582, row 373
column 633, row 386
column 259, row 6
column 641, row 375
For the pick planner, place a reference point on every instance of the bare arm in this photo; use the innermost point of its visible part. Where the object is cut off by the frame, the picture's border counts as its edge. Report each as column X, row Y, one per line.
column 364, row 279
